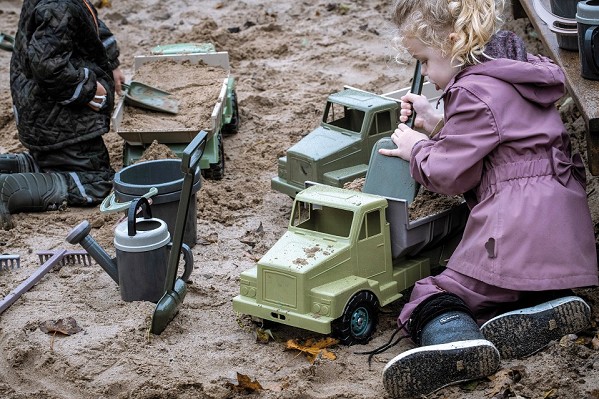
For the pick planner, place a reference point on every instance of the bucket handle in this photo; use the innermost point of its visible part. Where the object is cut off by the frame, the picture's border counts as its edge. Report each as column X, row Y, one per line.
column 568, row 28
column 109, row 204
column 132, row 214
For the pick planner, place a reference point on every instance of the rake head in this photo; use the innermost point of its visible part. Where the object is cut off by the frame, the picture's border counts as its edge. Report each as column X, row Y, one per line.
column 79, row 257
column 9, row 262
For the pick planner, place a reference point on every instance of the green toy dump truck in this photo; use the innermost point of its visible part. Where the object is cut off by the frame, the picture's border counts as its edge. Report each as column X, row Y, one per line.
column 220, row 111
column 338, row 151
column 345, row 254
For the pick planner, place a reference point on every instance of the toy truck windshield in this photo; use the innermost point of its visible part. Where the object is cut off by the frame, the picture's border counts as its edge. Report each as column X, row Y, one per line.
column 322, row 218
column 343, row 117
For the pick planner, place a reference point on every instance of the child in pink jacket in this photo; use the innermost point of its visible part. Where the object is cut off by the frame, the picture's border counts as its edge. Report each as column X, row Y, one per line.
column 529, row 238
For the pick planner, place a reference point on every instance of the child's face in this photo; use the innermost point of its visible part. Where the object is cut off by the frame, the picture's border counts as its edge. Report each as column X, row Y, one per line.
column 436, row 66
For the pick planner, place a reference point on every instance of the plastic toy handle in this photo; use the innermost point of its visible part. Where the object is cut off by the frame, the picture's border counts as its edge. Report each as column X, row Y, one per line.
column 132, row 214
column 109, row 203
column 417, row 82
column 552, row 20
column 589, row 50
column 188, row 259
column 7, row 42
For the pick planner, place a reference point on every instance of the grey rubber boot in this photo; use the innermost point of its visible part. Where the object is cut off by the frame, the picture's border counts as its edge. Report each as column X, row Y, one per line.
column 524, row 332
column 30, row 192
column 453, row 350
column 17, row 163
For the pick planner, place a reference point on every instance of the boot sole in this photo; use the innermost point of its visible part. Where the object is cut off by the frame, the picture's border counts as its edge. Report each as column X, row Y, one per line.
column 424, row 370
column 524, row 332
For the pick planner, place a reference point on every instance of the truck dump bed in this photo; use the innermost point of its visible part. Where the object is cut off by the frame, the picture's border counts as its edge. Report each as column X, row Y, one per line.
column 411, row 237
column 145, row 134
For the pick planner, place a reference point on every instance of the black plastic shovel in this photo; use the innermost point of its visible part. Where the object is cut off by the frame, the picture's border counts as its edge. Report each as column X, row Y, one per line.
column 390, row 176
column 176, row 288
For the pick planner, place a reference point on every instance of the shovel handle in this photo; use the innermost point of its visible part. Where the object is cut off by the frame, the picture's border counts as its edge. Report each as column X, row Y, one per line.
column 416, row 88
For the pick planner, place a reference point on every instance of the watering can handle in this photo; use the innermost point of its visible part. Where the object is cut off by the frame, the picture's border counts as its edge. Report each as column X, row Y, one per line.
column 132, row 213
column 188, row 261
column 109, row 203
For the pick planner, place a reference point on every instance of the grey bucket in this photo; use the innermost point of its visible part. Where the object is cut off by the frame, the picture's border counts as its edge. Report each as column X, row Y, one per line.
column 165, row 174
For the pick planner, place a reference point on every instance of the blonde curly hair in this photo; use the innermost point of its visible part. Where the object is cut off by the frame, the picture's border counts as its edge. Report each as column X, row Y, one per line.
column 432, row 21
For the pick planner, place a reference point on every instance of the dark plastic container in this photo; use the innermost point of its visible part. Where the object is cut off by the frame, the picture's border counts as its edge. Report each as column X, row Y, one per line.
column 565, row 9
column 165, row 174
column 587, row 18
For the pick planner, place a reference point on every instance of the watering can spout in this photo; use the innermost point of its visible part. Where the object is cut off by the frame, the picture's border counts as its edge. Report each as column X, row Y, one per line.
column 80, row 235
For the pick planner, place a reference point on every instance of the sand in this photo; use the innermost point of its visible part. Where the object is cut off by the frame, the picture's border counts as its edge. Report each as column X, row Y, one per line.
column 286, row 57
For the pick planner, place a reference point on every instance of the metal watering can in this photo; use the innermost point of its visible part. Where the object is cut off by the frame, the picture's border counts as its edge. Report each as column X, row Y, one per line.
column 173, row 289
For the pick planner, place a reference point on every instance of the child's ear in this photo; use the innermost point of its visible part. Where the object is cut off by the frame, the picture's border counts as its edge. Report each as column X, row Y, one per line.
column 453, row 37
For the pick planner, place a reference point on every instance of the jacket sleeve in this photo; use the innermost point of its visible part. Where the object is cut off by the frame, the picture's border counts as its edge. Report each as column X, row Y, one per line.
column 49, row 52
column 452, row 161
column 110, row 45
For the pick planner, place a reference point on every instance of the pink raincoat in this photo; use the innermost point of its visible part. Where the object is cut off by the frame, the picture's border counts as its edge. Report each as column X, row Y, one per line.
column 505, row 147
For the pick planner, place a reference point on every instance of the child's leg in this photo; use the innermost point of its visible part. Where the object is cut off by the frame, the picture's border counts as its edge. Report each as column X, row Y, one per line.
column 523, row 332
column 453, row 350
column 86, row 168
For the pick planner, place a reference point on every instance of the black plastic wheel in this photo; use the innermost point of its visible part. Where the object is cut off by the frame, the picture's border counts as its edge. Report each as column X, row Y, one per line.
column 359, row 319
column 216, row 171
column 233, row 126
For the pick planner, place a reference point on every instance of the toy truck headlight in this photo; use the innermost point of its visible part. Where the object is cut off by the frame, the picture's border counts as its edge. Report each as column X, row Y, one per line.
column 320, row 308
column 282, row 166
column 246, row 289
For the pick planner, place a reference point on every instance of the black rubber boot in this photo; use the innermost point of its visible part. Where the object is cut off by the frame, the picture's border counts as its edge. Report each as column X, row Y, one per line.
column 17, row 163
column 524, row 332
column 453, row 350
column 30, row 192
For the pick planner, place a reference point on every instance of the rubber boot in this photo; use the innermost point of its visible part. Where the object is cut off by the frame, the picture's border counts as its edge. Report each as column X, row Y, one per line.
column 453, row 350
column 30, row 192
column 17, row 163
column 524, row 332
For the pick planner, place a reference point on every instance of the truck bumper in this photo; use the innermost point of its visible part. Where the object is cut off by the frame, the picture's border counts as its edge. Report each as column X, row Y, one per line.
column 311, row 322
column 282, row 186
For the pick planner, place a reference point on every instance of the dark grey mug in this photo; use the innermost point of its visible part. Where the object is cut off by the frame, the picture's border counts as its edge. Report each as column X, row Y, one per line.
column 587, row 19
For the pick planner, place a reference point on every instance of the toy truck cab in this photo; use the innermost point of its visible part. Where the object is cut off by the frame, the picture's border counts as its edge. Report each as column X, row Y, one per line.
column 339, row 149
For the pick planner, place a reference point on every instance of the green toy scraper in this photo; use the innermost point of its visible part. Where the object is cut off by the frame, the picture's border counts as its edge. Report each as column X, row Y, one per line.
column 393, row 178
column 175, row 288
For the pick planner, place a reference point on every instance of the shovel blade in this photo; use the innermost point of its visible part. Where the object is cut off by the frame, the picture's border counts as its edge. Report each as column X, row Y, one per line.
column 168, row 307
column 389, row 176
column 148, row 97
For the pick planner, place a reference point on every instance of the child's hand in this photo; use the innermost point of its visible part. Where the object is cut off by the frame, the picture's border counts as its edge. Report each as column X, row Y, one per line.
column 99, row 99
column 424, row 111
column 404, row 138
column 119, row 79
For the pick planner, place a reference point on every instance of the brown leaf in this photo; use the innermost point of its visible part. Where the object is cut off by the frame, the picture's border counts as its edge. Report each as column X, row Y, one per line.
column 501, row 380
column 314, row 349
column 245, row 383
column 66, row 326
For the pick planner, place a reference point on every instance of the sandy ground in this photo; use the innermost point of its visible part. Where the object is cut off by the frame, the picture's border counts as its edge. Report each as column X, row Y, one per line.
column 287, row 57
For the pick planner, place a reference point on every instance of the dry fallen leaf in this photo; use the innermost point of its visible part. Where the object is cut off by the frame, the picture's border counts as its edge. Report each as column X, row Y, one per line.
column 245, row 383
column 66, row 326
column 263, row 336
column 503, row 379
column 314, row 349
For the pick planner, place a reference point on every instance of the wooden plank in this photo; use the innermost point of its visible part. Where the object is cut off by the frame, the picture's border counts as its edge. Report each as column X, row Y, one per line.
column 584, row 92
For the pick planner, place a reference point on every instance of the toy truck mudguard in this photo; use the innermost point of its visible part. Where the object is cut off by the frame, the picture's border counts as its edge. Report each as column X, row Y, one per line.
column 223, row 119
column 338, row 151
column 345, row 254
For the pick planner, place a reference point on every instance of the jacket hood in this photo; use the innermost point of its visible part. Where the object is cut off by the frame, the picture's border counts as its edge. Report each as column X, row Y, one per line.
column 538, row 80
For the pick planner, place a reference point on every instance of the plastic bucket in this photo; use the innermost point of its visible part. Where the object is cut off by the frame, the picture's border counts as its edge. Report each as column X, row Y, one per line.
column 166, row 175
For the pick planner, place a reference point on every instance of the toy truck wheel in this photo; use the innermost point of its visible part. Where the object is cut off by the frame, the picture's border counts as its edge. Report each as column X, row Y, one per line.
column 216, row 171
column 359, row 319
column 233, row 126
